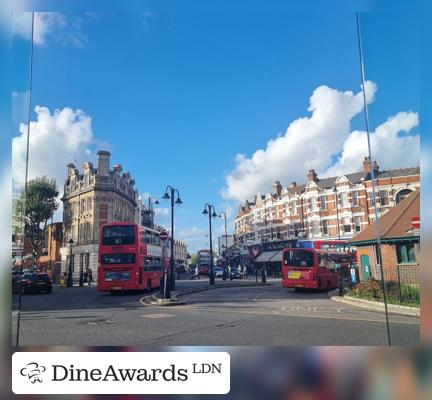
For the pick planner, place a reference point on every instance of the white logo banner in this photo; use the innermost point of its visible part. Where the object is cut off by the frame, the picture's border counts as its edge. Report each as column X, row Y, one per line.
column 120, row 373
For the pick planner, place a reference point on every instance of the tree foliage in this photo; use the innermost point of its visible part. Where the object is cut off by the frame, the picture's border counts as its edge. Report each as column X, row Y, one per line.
column 40, row 204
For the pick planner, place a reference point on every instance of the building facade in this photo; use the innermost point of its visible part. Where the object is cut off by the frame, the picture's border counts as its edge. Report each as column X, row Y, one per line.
column 329, row 208
column 180, row 252
column 92, row 198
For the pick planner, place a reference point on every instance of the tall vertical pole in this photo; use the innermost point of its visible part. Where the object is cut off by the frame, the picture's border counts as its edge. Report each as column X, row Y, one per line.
column 211, row 247
column 23, row 208
column 226, row 235
column 337, row 212
column 377, row 227
column 172, row 277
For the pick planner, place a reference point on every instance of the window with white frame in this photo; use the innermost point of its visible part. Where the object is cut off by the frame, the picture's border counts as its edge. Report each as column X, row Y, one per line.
column 346, row 224
column 313, row 204
column 323, row 204
column 357, row 224
column 325, row 230
column 383, row 197
column 294, row 207
column 315, row 227
column 354, row 198
column 344, row 199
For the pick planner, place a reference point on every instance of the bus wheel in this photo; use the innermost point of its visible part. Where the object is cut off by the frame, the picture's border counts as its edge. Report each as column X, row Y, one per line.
column 148, row 289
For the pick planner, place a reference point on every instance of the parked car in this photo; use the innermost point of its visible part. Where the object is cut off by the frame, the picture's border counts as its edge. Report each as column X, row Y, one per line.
column 16, row 274
column 218, row 272
column 236, row 274
column 181, row 269
column 34, row 283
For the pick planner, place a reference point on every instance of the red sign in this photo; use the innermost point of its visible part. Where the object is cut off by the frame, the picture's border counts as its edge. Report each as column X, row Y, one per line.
column 163, row 235
column 415, row 222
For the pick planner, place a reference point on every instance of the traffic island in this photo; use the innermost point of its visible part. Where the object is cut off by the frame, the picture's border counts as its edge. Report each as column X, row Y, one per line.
column 161, row 302
column 375, row 305
column 156, row 300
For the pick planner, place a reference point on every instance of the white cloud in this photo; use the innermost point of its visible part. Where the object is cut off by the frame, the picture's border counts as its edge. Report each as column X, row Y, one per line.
column 388, row 146
column 51, row 26
column 313, row 142
column 162, row 212
column 56, row 138
column 309, row 142
column 196, row 238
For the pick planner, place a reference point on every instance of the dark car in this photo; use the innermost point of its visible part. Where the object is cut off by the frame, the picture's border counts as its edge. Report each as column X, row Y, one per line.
column 181, row 269
column 236, row 274
column 16, row 275
column 34, row 283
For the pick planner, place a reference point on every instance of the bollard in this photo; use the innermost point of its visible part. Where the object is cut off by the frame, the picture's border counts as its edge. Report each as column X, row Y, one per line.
column 263, row 276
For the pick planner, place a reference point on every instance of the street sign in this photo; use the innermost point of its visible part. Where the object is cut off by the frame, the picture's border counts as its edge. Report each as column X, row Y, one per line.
column 163, row 235
column 415, row 222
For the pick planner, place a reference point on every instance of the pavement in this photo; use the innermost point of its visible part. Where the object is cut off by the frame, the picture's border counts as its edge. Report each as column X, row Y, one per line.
column 240, row 315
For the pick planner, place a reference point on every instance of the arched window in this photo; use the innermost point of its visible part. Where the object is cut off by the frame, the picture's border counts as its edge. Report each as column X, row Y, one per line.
column 402, row 194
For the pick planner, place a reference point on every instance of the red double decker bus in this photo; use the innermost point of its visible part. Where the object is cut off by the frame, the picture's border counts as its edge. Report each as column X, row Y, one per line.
column 314, row 269
column 130, row 258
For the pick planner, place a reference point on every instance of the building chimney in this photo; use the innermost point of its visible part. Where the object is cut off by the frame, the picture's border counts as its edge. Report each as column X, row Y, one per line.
column 367, row 168
column 103, row 162
column 312, row 176
column 277, row 188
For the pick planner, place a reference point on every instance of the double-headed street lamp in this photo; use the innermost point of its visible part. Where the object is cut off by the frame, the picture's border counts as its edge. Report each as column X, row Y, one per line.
column 208, row 210
column 69, row 282
column 151, row 210
column 170, row 194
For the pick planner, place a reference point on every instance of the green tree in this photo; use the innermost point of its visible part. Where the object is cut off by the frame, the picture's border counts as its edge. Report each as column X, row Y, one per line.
column 194, row 259
column 40, row 204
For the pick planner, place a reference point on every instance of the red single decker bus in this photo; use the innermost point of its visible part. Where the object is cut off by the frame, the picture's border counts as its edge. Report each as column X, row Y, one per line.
column 130, row 258
column 314, row 269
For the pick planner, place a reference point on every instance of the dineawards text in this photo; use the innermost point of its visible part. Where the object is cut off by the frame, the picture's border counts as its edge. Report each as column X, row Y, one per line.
column 112, row 374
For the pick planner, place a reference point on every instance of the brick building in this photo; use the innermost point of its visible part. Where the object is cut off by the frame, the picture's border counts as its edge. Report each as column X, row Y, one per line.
column 328, row 208
column 400, row 244
column 92, row 198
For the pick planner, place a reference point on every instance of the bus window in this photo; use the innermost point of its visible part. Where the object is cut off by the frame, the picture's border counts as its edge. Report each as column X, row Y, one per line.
column 299, row 258
column 148, row 265
column 118, row 235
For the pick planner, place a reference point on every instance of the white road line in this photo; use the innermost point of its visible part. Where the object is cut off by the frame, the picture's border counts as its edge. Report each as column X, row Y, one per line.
column 156, row 316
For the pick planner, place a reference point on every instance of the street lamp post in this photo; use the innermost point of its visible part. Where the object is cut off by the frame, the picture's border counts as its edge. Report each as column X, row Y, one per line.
column 69, row 282
column 170, row 193
column 208, row 210
column 335, row 191
column 150, row 206
column 226, row 243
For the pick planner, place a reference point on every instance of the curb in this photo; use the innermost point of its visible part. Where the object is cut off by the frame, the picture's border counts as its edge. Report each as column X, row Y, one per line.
column 377, row 306
column 152, row 299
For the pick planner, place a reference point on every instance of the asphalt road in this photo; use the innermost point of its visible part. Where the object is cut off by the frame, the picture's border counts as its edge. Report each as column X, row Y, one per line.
column 242, row 316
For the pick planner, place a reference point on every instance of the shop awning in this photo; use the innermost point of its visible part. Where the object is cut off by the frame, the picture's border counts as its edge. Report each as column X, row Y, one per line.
column 266, row 256
column 277, row 257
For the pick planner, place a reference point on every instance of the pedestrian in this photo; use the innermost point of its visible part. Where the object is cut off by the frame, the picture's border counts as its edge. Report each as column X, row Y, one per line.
column 229, row 273
column 245, row 273
column 62, row 280
column 85, row 276
column 90, row 277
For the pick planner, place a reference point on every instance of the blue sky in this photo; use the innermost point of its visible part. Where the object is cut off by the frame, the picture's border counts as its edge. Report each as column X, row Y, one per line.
column 176, row 96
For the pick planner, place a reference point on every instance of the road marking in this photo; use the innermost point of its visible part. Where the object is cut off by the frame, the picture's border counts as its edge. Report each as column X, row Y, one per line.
column 156, row 316
column 302, row 315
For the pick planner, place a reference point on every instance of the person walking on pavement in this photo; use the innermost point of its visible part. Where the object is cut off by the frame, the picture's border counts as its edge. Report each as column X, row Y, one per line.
column 62, row 280
column 90, row 277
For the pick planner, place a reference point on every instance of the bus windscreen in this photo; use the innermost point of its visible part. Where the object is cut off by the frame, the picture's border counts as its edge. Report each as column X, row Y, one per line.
column 118, row 235
column 299, row 259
